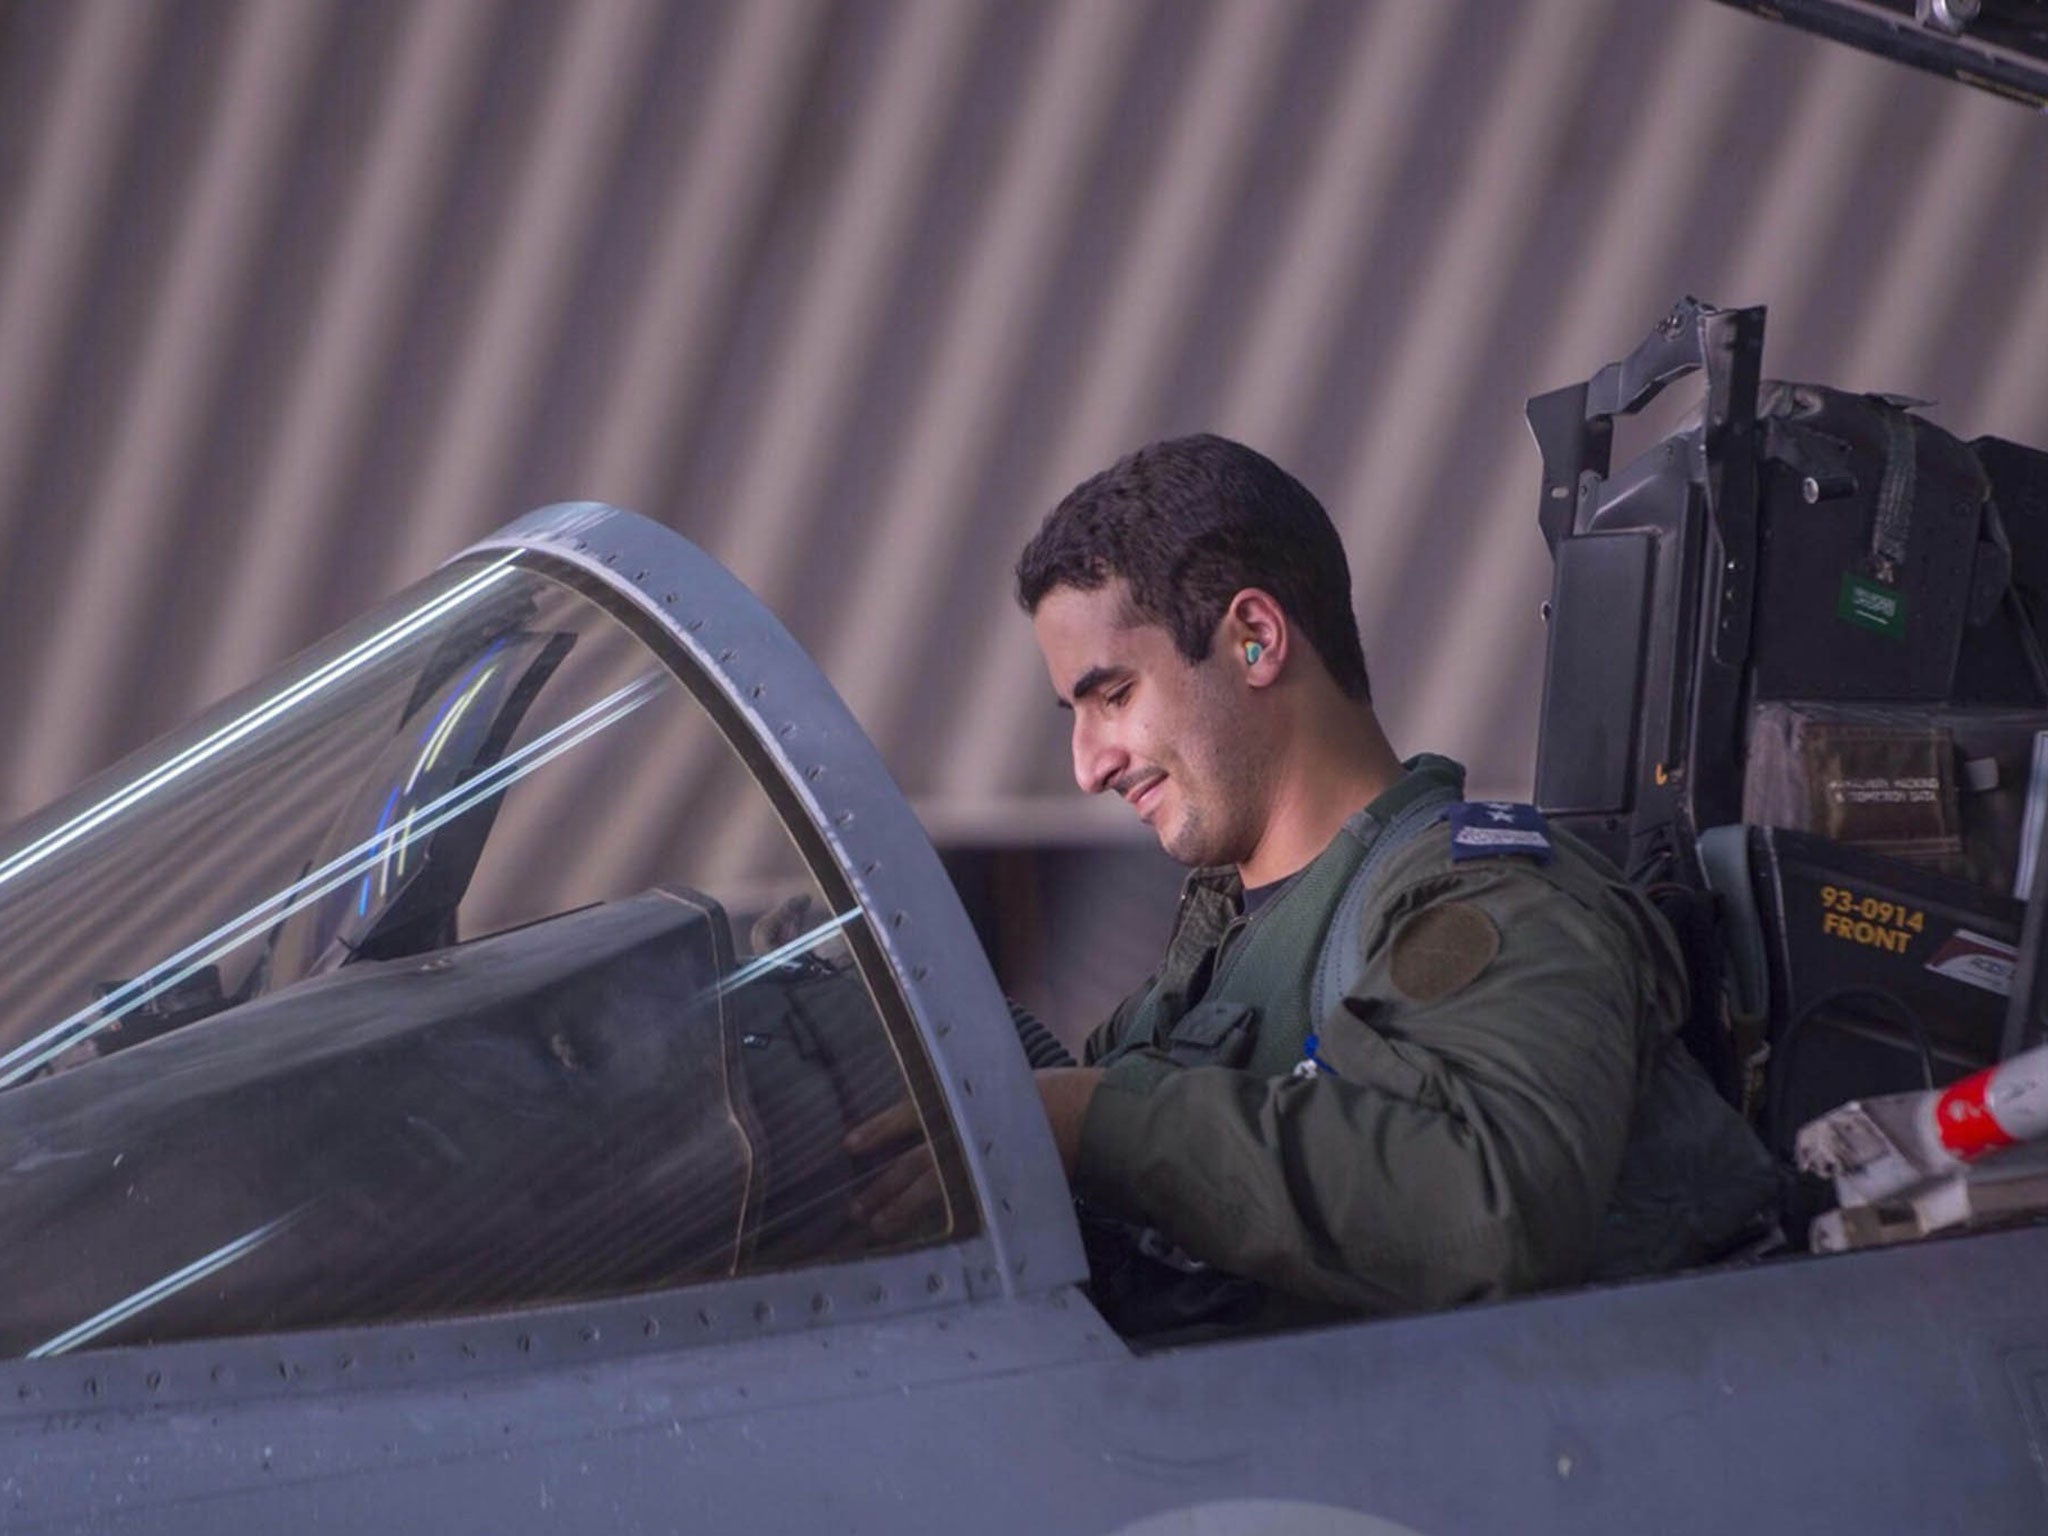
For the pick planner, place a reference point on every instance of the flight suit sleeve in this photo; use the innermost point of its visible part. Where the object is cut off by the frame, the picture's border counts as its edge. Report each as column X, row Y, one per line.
column 1466, row 1138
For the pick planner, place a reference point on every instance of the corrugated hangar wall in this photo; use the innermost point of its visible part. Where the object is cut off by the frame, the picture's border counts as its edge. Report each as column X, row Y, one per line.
column 297, row 296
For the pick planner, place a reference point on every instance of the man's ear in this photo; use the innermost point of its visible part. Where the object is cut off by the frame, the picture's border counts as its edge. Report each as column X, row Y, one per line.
column 1255, row 634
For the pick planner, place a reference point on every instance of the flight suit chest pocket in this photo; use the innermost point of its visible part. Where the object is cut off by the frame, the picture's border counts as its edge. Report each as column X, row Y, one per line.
column 1212, row 1034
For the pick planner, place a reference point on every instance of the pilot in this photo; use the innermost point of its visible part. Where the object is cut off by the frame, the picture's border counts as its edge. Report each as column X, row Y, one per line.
column 1403, row 1050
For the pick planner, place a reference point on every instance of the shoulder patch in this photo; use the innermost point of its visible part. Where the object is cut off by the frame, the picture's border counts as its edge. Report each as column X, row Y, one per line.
column 1486, row 829
column 1441, row 950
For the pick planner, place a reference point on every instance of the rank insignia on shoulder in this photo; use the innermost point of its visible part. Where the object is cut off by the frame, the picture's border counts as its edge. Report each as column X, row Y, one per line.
column 1487, row 829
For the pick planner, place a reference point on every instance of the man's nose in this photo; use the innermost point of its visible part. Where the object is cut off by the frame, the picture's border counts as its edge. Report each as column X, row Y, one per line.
column 1097, row 758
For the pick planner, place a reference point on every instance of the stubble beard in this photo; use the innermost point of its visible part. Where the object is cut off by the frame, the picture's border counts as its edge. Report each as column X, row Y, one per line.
column 1229, row 776
column 1183, row 844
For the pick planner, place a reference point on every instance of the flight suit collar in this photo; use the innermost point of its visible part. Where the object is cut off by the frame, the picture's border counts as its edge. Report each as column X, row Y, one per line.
column 1218, row 889
column 1212, row 899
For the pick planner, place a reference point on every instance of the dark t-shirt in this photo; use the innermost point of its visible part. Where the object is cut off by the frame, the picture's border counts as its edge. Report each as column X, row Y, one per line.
column 1257, row 896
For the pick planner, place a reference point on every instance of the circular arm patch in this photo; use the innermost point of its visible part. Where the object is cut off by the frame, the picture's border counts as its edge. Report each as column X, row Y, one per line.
column 1441, row 950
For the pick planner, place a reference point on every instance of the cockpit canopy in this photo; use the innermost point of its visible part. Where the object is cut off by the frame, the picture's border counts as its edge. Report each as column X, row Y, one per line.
column 483, row 956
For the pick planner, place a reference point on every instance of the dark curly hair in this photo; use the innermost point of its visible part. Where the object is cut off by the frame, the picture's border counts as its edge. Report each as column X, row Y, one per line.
column 1189, row 523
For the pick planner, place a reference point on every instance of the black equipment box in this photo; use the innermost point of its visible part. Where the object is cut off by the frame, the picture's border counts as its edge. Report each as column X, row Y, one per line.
column 1825, row 579
column 1885, row 978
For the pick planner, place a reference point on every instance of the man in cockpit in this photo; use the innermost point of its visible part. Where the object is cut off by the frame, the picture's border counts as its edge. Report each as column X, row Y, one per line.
column 1403, row 1050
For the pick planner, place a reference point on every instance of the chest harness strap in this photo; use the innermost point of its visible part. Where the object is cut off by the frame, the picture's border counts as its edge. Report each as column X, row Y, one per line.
column 1342, row 960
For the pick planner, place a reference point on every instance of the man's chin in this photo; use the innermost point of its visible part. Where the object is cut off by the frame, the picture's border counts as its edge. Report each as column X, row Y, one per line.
column 1181, row 843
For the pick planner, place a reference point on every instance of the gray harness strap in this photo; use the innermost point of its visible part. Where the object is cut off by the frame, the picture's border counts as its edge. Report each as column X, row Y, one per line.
column 1342, row 959
column 1892, row 527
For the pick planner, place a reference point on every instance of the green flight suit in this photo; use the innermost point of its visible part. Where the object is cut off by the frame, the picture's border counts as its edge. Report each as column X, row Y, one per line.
column 1480, row 1086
